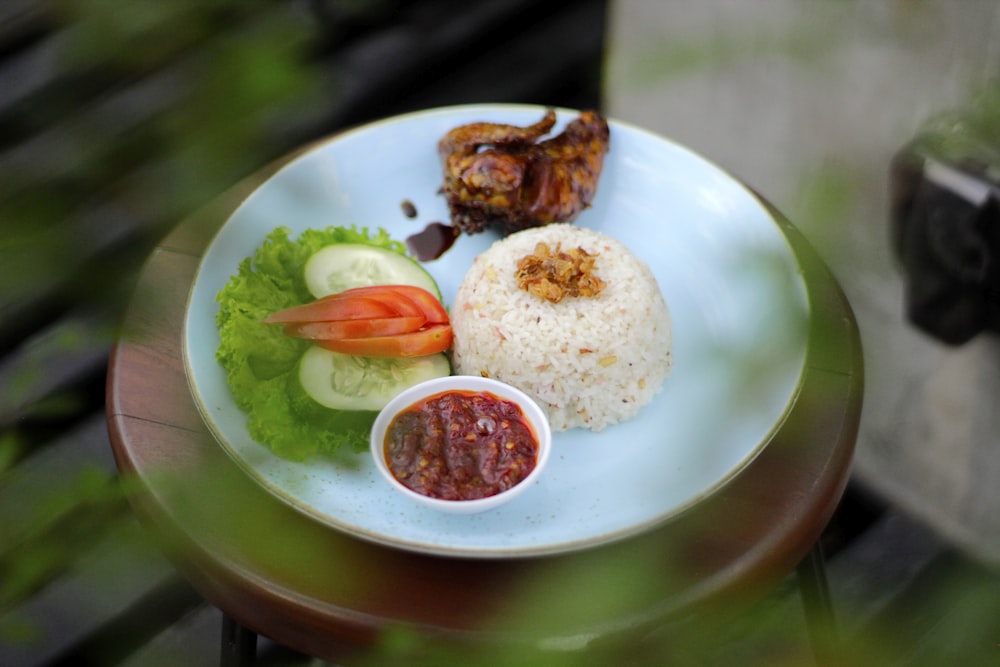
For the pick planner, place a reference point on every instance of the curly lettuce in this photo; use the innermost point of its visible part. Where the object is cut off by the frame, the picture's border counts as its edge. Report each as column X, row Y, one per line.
column 261, row 362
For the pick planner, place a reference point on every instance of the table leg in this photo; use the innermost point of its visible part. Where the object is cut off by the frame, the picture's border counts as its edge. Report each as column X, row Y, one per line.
column 239, row 645
column 818, row 606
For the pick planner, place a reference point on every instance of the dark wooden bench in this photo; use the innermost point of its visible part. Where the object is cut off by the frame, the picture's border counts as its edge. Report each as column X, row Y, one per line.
column 85, row 179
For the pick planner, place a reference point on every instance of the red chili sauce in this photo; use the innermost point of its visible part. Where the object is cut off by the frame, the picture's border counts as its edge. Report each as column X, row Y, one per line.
column 461, row 445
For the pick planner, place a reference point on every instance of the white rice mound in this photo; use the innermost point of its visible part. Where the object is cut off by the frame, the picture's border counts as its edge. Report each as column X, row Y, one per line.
column 589, row 361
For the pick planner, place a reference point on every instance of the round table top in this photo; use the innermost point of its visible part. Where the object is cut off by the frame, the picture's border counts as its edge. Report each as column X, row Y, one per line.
column 310, row 587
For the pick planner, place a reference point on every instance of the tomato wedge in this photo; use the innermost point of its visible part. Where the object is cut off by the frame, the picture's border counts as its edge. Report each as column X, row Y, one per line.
column 428, row 340
column 402, row 304
column 331, row 308
column 381, row 326
column 428, row 304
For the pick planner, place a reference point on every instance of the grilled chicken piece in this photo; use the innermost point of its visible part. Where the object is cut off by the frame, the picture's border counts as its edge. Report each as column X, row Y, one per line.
column 502, row 175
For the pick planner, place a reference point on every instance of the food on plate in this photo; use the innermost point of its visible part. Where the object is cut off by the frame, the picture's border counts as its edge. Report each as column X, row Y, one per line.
column 409, row 208
column 300, row 399
column 432, row 241
column 339, row 266
column 499, row 175
column 461, row 445
column 341, row 329
column 427, row 340
column 330, row 308
column 352, row 382
column 372, row 321
column 589, row 361
column 556, row 274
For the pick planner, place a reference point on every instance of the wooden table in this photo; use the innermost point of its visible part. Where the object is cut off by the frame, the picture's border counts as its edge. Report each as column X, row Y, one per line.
column 277, row 572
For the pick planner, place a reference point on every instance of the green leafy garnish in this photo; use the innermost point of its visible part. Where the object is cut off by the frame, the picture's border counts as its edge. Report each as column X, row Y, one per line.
column 261, row 362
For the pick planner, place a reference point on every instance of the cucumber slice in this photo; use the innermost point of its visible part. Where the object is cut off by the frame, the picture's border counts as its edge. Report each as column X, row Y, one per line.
column 344, row 265
column 349, row 426
column 345, row 382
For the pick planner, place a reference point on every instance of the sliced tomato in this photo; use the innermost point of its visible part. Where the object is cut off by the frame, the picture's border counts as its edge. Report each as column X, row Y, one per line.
column 428, row 340
column 401, row 303
column 427, row 303
column 332, row 308
column 381, row 326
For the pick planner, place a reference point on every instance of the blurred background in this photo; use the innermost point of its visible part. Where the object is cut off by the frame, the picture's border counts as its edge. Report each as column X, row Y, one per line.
column 119, row 118
column 809, row 103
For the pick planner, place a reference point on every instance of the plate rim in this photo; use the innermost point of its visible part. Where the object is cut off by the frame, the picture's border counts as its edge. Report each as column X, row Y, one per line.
column 514, row 552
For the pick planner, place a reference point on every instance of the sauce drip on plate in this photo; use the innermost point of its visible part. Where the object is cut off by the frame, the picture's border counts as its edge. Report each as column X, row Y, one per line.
column 432, row 242
column 409, row 209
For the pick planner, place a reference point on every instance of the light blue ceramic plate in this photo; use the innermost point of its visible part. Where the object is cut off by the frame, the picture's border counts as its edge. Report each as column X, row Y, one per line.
column 732, row 284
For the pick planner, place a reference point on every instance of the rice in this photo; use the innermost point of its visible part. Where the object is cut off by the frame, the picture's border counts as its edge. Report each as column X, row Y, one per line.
column 588, row 361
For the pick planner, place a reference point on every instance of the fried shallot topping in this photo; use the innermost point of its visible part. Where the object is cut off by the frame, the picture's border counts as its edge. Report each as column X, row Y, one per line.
column 553, row 275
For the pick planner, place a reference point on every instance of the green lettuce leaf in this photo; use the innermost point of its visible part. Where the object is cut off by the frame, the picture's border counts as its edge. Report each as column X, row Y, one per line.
column 260, row 360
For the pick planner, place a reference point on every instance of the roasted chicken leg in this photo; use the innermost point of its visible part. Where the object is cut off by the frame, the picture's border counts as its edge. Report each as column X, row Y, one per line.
column 503, row 176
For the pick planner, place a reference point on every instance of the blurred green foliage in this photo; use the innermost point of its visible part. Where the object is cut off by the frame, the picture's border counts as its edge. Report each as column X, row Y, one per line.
column 969, row 135
column 158, row 106
column 143, row 111
column 666, row 60
column 223, row 77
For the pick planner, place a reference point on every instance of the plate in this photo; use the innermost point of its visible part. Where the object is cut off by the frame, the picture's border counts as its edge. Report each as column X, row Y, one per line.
column 729, row 277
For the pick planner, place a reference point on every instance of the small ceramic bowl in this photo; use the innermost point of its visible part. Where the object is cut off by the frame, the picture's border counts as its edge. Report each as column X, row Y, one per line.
column 534, row 414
